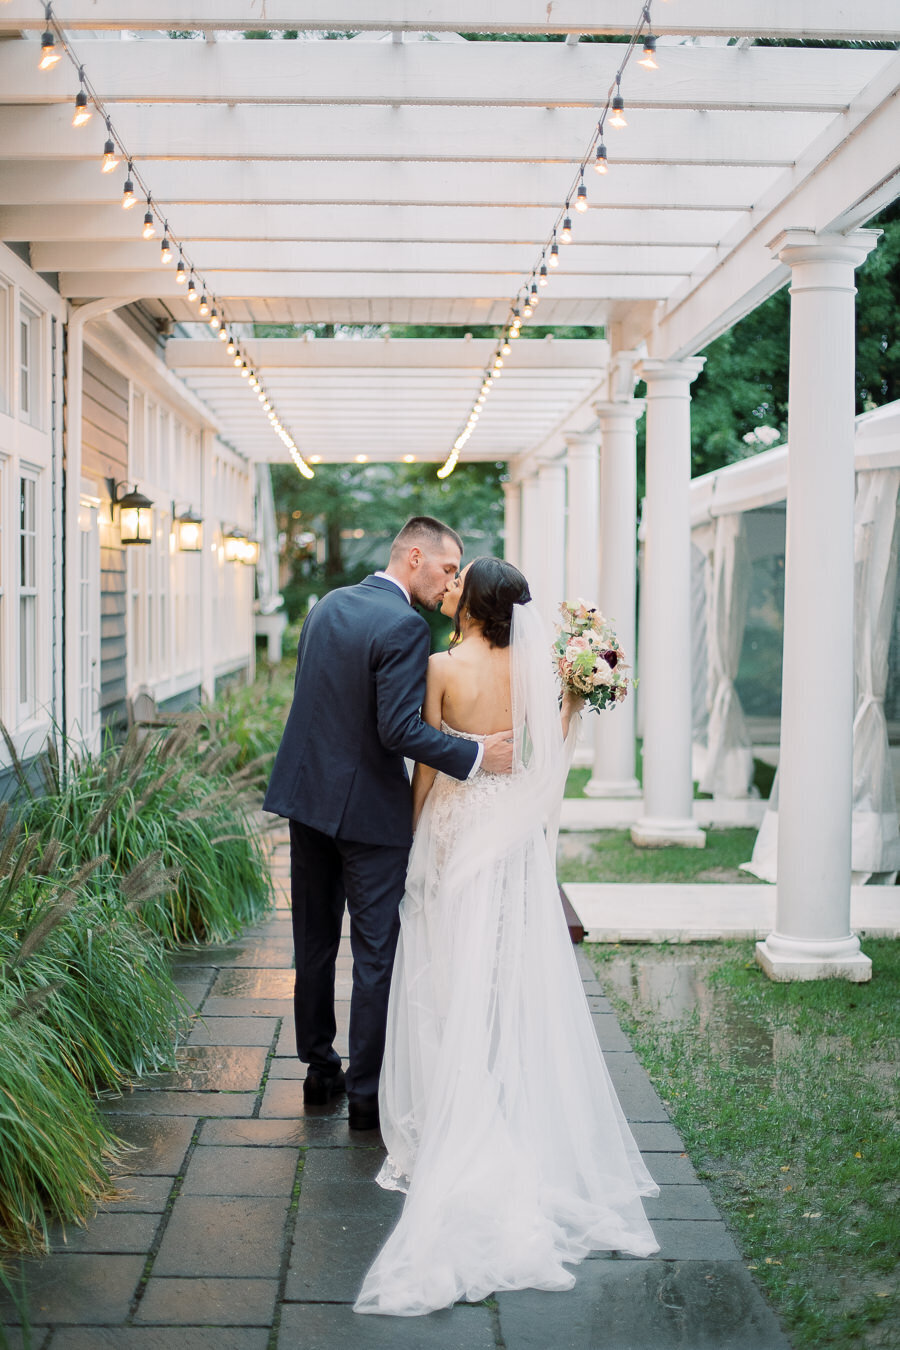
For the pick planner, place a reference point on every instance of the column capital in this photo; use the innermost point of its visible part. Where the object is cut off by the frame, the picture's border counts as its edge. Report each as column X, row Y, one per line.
column 628, row 410
column 671, row 372
column 794, row 247
column 580, row 440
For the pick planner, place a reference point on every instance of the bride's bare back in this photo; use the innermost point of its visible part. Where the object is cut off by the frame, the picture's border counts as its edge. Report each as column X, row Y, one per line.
column 472, row 683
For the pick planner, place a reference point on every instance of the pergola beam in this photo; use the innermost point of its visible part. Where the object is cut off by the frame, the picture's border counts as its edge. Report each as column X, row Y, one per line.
column 376, row 286
column 632, row 186
column 407, row 135
column 864, row 19
column 543, row 75
column 365, row 224
column 402, row 357
column 490, row 260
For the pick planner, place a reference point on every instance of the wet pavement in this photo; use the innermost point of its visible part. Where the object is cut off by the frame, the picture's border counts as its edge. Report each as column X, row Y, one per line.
column 244, row 1222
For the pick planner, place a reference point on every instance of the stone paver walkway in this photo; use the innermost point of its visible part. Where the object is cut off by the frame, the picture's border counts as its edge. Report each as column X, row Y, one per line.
column 246, row 1223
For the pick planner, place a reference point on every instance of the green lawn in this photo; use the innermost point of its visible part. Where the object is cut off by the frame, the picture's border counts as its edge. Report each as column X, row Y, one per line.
column 786, row 1097
column 609, row 855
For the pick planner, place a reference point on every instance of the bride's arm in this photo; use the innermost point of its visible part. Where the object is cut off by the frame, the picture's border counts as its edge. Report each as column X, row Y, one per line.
column 571, row 705
column 423, row 775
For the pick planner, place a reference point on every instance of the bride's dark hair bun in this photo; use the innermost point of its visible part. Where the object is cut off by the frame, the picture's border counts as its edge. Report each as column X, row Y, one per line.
column 490, row 590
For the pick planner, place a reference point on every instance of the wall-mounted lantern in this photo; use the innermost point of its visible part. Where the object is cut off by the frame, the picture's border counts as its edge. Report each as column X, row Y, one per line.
column 238, row 548
column 135, row 513
column 188, row 531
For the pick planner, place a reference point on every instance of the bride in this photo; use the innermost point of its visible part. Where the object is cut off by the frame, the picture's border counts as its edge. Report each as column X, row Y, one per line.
column 497, row 1110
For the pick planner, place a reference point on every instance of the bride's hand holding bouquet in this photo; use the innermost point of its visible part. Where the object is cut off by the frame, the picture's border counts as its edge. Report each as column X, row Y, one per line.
column 589, row 661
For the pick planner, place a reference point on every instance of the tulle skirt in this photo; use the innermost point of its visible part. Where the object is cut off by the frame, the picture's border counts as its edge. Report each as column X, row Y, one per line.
column 497, row 1109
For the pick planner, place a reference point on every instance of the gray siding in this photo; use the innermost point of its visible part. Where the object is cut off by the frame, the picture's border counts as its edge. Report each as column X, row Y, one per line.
column 104, row 432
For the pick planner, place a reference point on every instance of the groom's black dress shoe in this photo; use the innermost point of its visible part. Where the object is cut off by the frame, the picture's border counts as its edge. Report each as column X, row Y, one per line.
column 319, row 1089
column 363, row 1112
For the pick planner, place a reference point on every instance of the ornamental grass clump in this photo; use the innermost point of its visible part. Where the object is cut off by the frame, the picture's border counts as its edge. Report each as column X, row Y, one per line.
column 170, row 793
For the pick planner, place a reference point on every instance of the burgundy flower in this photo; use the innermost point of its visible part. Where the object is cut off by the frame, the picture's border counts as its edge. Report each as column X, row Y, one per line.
column 611, row 659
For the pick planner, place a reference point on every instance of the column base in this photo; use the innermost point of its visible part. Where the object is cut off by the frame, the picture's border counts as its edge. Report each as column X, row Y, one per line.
column 610, row 787
column 660, row 832
column 785, row 959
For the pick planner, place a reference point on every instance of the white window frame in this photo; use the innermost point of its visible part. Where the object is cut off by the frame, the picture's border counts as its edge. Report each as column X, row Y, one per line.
column 28, row 599
column 30, row 328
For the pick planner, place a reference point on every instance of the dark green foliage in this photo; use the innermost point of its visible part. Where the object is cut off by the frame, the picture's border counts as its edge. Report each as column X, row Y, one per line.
column 786, row 1097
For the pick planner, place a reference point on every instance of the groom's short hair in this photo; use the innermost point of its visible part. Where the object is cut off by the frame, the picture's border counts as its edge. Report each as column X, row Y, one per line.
column 424, row 530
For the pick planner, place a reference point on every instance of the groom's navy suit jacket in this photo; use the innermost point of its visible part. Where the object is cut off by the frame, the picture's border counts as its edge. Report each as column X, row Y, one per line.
column 358, row 692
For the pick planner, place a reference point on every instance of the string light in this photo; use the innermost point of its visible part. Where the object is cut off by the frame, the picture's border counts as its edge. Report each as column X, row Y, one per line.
column 49, row 53
column 128, row 194
column 215, row 322
column 203, row 309
column 165, row 248
column 232, row 346
column 82, row 112
column 223, row 336
column 562, row 229
column 180, row 273
column 648, row 59
column 618, row 108
column 110, row 158
column 149, row 229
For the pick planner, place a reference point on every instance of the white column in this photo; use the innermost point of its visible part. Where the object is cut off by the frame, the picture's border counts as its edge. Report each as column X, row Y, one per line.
column 614, row 769
column 531, row 548
column 812, row 937
column 665, row 664
column 583, row 543
column 512, row 521
column 548, row 588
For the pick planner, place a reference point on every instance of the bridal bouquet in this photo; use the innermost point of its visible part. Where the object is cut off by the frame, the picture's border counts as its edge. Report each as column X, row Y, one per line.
column 588, row 658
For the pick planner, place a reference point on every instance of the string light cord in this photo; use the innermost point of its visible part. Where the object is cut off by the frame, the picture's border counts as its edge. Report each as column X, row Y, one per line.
column 527, row 296
column 137, row 186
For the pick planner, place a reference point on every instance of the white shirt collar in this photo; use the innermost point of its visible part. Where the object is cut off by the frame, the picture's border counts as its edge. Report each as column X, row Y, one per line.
column 398, row 584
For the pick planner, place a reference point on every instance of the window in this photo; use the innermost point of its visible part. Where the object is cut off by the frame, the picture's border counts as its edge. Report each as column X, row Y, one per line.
column 27, row 696
column 30, row 366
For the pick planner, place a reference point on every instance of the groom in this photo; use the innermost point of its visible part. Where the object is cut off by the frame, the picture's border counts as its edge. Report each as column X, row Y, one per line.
column 339, row 777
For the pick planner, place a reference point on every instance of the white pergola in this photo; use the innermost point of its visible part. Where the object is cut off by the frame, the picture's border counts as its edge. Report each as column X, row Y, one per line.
column 411, row 176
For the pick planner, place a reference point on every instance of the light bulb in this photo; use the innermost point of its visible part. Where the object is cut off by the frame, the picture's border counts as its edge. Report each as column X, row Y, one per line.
column 238, row 359
column 600, row 163
column 498, row 362
column 215, row 322
column 223, row 336
column 49, row 54
column 110, row 158
column 514, row 331
column 245, row 370
column 82, row 112
column 526, row 308
column 506, row 349
column 191, row 290
column 149, row 229
column 534, row 295
column 204, row 305
column 180, row 273
column 581, row 201
column 554, row 253
column 128, row 196
column 231, row 345
column 165, row 248
column 618, row 112
column 648, row 60
column 565, row 233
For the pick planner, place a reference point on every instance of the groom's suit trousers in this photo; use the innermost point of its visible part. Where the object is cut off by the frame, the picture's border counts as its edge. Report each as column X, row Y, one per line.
column 325, row 871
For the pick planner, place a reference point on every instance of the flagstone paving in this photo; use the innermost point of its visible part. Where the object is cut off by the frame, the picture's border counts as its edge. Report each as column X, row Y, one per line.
column 244, row 1222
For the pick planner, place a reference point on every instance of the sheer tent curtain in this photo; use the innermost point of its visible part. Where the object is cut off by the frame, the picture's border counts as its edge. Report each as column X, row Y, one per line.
column 728, row 771
column 875, row 837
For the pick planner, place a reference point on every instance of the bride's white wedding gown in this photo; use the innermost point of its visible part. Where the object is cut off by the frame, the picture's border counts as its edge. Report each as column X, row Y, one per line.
column 497, row 1109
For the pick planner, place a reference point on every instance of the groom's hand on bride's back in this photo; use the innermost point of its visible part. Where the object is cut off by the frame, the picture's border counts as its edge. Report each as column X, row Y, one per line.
column 498, row 753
